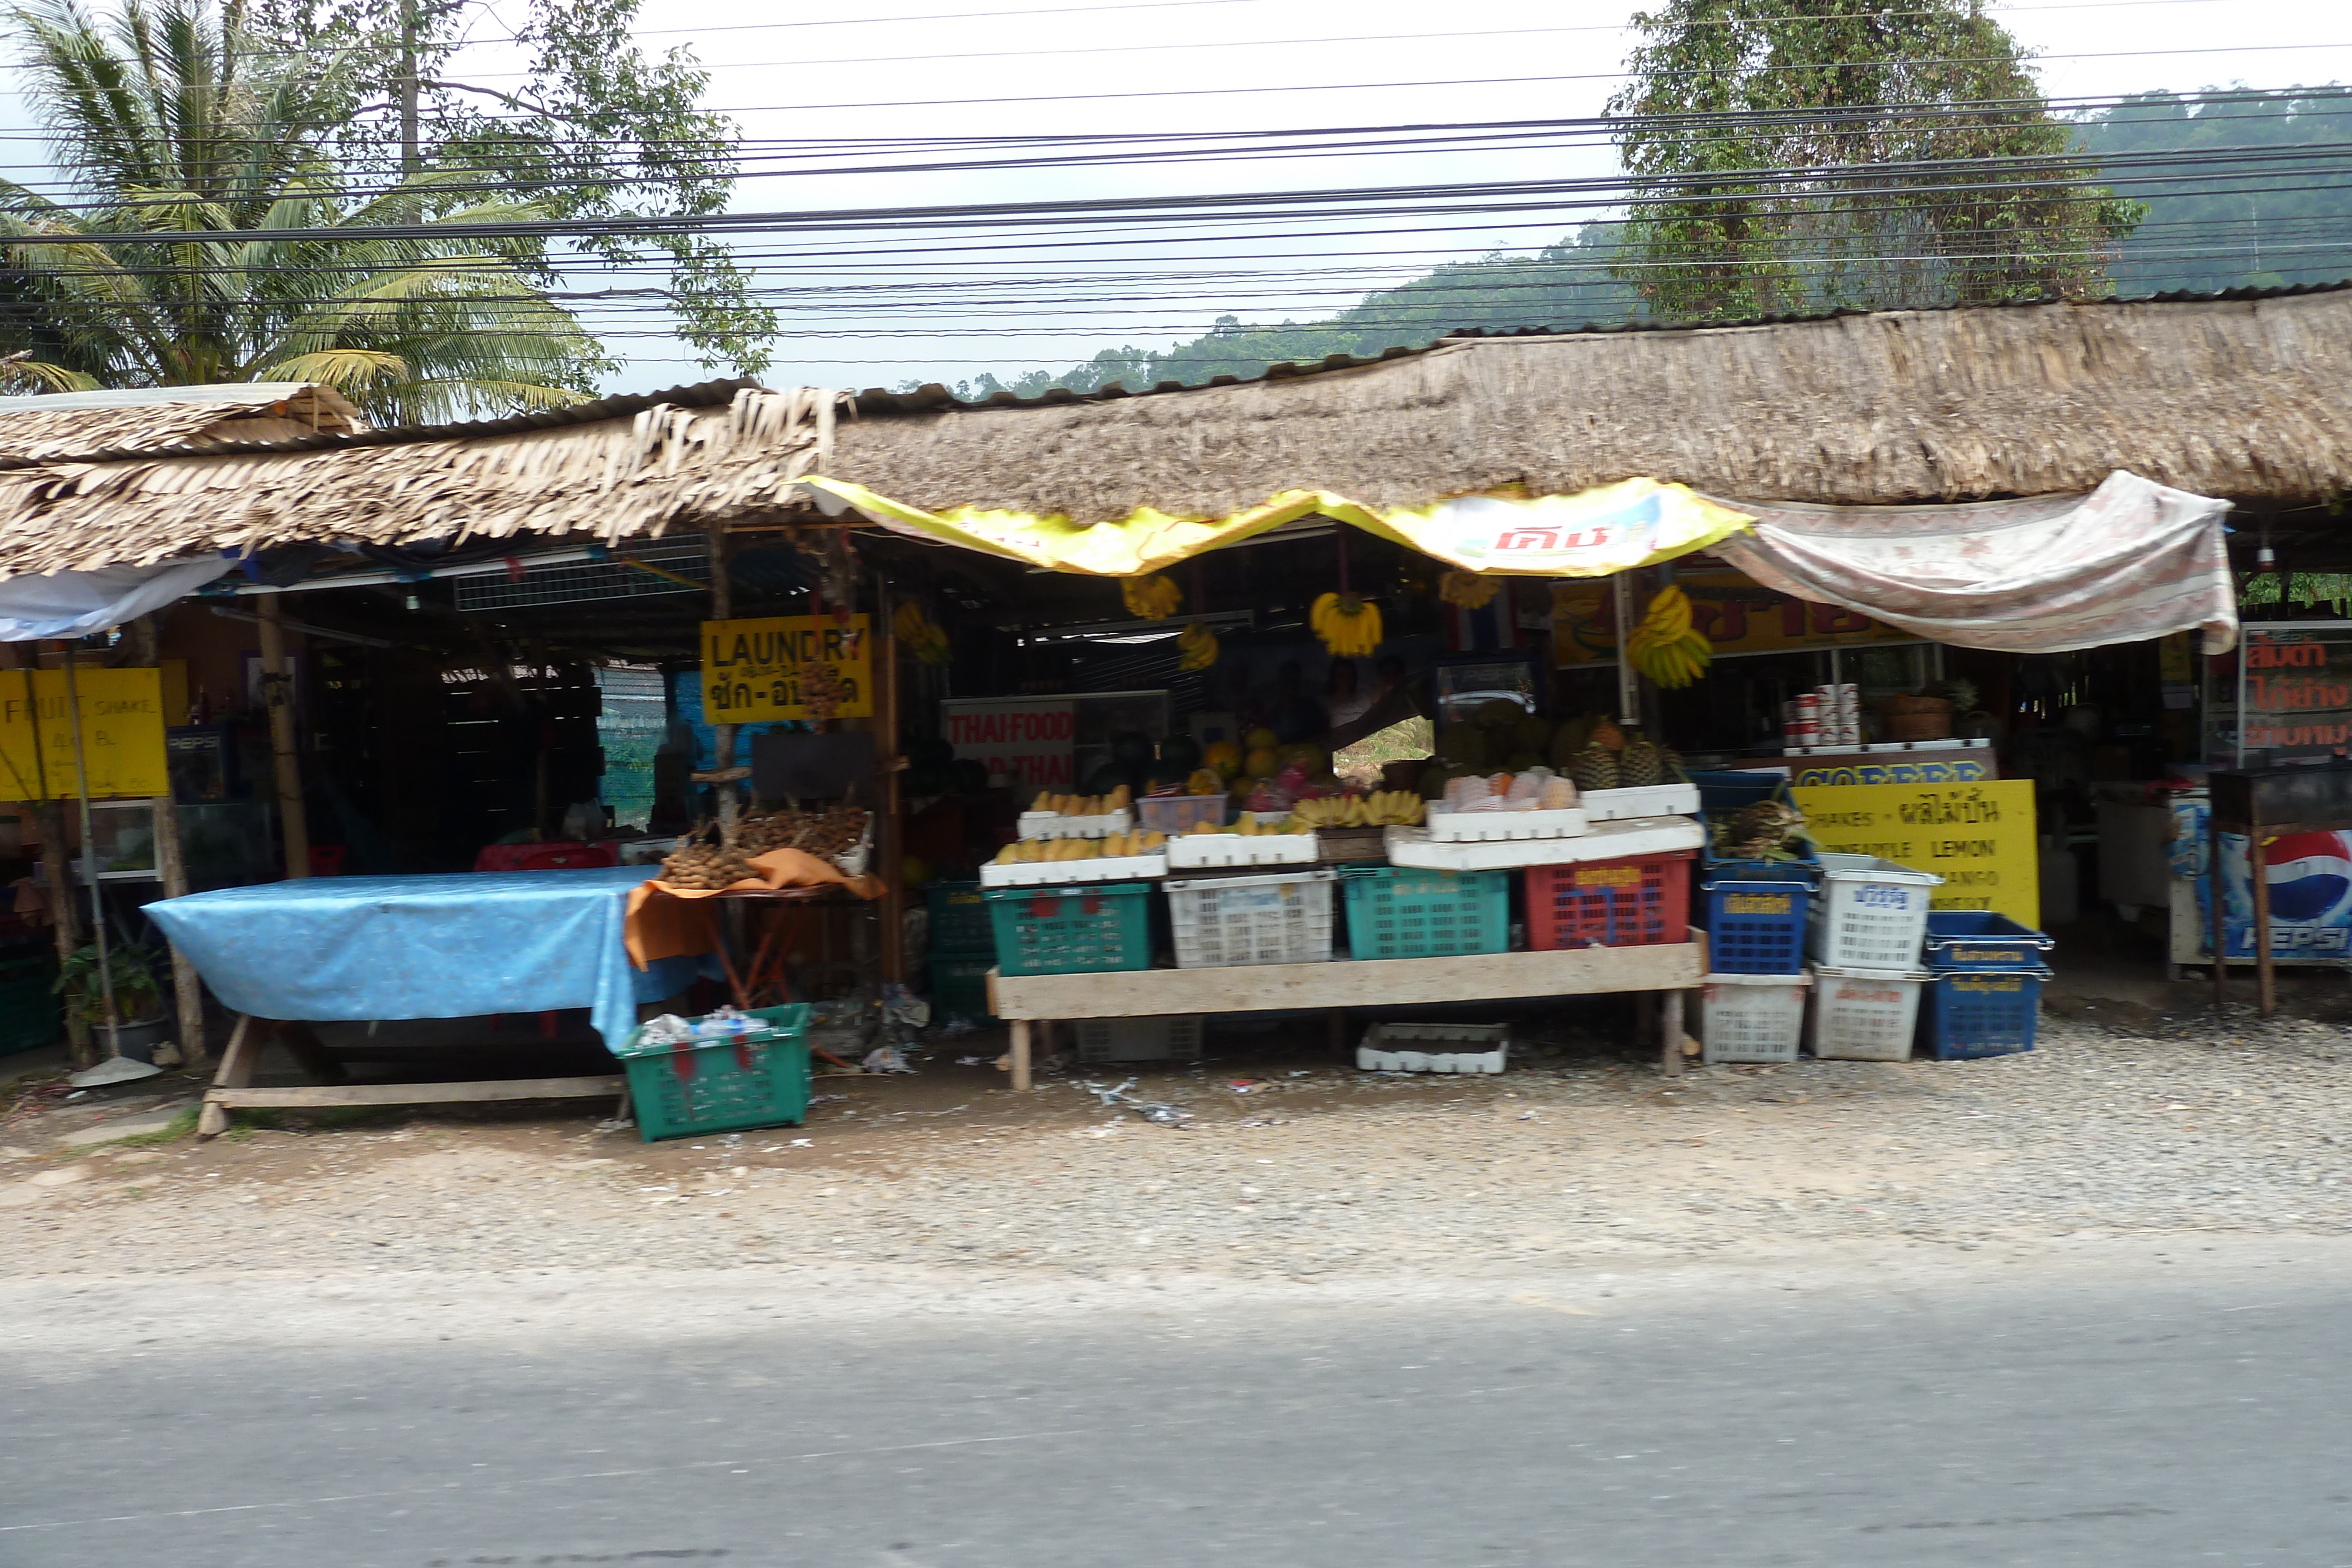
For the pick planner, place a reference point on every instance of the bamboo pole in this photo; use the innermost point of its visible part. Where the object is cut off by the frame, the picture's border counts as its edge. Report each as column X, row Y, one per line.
column 171, row 866
column 89, row 859
column 888, row 762
column 278, row 691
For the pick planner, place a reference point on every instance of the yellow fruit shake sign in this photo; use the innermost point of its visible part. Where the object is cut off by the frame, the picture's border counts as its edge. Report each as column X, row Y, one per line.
column 1978, row 837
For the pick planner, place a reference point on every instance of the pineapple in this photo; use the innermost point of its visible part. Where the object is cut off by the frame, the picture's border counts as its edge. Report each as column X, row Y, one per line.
column 1670, row 765
column 1641, row 764
column 1595, row 768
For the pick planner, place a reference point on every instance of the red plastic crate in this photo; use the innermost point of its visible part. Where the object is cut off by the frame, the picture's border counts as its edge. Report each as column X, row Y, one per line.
column 1636, row 902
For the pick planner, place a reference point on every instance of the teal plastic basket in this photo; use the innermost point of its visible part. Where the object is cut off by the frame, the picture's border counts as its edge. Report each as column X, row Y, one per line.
column 1088, row 929
column 958, row 917
column 1397, row 913
column 959, row 987
column 759, row 1079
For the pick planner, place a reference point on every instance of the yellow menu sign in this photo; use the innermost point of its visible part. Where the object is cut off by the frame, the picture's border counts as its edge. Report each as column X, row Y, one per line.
column 1978, row 837
column 121, row 733
column 752, row 671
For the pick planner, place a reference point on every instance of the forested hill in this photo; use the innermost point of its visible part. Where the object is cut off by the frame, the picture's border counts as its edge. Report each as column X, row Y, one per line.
column 2255, row 229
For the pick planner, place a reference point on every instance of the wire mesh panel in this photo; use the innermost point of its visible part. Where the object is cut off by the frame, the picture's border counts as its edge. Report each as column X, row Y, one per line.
column 634, row 571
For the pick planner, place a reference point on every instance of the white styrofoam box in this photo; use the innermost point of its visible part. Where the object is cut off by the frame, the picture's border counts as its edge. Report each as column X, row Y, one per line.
column 1474, row 827
column 1193, row 852
column 1865, row 1015
column 1054, row 825
column 1220, row 922
column 1752, row 1017
column 1608, row 841
column 1870, row 913
column 1434, row 1048
column 1170, row 1037
column 1643, row 800
column 1107, row 868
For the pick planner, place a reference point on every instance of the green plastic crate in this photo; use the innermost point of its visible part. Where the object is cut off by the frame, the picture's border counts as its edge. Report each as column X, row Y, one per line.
column 30, row 1015
column 1394, row 912
column 959, row 987
column 1088, row 929
column 722, row 1085
column 960, row 923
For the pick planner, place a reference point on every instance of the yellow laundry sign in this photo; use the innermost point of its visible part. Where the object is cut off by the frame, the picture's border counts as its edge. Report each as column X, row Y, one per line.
column 1978, row 837
column 756, row 671
column 121, row 733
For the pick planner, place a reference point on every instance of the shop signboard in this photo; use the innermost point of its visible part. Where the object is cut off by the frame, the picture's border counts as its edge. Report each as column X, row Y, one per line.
column 121, row 732
column 1026, row 742
column 1978, row 837
column 2296, row 686
column 1735, row 615
column 754, row 670
column 2310, row 878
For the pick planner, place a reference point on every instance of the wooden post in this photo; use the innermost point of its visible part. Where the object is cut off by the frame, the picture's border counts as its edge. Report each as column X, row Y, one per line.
column 1020, row 1075
column 2213, row 899
column 1629, row 680
column 888, row 762
column 236, row 1072
column 171, row 865
column 1670, row 1033
column 278, row 691
column 722, row 742
column 2257, row 873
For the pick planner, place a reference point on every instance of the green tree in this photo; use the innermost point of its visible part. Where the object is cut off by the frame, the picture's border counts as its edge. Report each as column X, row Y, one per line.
column 164, row 121
column 1796, row 154
column 596, row 129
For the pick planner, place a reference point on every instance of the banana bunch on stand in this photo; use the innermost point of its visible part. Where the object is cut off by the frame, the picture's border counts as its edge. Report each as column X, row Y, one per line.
column 1665, row 646
column 1381, row 809
column 919, row 633
column 1152, row 598
column 1467, row 590
column 1349, row 626
column 1196, row 648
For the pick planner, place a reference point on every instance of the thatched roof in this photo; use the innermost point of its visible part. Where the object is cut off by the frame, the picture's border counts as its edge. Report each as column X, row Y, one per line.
column 2243, row 398
column 621, row 467
column 154, row 419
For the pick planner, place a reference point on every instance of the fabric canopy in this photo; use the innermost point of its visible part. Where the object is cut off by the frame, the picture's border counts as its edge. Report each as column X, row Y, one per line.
column 76, row 604
column 1597, row 533
column 2131, row 561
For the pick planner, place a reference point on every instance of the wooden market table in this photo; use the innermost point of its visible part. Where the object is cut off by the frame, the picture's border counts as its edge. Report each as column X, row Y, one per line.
column 1331, row 988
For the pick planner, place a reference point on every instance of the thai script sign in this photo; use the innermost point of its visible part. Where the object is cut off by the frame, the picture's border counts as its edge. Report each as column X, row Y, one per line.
column 753, row 672
column 1979, row 838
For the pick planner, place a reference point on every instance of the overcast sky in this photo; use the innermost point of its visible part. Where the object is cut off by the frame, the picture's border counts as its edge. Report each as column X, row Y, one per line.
column 936, row 67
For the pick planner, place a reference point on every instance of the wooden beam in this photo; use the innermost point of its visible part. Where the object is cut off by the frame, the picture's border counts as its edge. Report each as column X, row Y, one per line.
column 278, row 690
column 1403, row 982
column 171, row 867
column 315, row 1096
column 886, row 764
column 236, row 1072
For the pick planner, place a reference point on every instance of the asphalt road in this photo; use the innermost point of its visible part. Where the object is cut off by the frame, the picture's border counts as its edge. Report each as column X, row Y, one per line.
column 2184, row 1404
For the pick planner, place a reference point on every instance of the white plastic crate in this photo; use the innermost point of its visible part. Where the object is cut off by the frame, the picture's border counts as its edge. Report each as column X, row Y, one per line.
column 1641, row 800
column 1171, row 1037
column 1102, row 868
column 1197, row 851
column 1610, row 841
column 1054, row 825
column 1476, row 827
column 1871, row 913
column 1752, row 1017
column 1865, row 1015
column 1434, row 1048
column 1221, row 922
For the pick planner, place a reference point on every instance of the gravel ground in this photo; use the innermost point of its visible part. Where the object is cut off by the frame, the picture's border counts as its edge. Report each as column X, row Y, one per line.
column 1582, row 1152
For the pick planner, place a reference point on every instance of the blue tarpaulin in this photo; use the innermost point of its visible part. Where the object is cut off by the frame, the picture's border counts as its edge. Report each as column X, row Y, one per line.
column 330, row 949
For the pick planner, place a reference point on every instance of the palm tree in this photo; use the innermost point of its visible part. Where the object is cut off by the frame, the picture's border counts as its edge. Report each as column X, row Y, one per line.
column 168, row 120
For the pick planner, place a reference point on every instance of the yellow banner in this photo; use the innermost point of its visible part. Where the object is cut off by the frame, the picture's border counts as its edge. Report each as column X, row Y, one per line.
column 1735, row 615
column 121, row 733
column 1597, row 533
column 752, row 670
column 1978, row 838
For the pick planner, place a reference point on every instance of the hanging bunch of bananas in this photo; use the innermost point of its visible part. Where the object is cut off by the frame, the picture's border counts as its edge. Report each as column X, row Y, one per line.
column 1665, row 646
column 1467, row 590
column 1152, row 598
column 919, row 633
column 1349, row 626
column 1196, row 648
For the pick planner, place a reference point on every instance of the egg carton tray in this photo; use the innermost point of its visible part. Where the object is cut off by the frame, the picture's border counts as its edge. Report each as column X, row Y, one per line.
column 1480, row 827
column 1042, row 873
column 1434, row 1047
column 1610, row 840
column 1054, row 825
column 1198, row 852
column 1643, row 800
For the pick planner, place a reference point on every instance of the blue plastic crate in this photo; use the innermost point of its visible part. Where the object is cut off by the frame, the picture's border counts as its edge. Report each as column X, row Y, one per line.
column 1980, row 939
column 1984, row 1012
column 1729, row 791
column 1756, row 926
column 1396, row 912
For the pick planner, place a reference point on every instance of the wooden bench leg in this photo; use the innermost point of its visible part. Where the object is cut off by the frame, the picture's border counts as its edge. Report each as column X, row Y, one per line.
column 236, row 1072
column 1021, row 1074
column 1670, row 1033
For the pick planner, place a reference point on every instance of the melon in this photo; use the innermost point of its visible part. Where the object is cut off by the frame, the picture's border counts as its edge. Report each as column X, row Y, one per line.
column 1261, row 739
column 1225, row 756
column 1262, row 762
column 1180, row 752
column 1464, row 745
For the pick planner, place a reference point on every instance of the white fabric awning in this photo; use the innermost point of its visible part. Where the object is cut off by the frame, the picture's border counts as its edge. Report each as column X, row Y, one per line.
column 76, row 604
column 2130, row 560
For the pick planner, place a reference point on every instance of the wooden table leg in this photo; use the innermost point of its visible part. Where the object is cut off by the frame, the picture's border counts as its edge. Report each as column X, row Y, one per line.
column 310, row 1053
column 236, row 1072
column 2258, row 874
column 1335, row 1022
column 2214, row 898
column 1670, row 1033
column 1021, row 1078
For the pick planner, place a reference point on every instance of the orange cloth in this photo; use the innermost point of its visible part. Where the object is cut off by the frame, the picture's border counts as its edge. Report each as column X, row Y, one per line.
column 663, row 924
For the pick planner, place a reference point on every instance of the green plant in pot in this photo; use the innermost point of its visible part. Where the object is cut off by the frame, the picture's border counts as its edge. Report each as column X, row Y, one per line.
column 137, row 998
